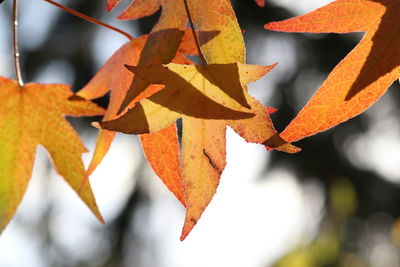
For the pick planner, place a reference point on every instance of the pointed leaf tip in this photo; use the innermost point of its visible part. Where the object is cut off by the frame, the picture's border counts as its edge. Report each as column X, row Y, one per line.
column 184, row 235
column 271, row 110
column 272, row 26
column 111, row 4
column 96, row 125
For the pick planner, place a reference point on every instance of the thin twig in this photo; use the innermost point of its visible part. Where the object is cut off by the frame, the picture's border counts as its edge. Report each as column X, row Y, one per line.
column 85, row 17
column 15, row 44
column 202, row 58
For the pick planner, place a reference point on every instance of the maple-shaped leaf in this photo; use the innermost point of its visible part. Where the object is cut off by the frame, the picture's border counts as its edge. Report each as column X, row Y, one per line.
column 204, row 92
column 221, row 42
column 208, row 99
column 363, row 76
column 225, row 48
column 114, row 77
column 33, row 115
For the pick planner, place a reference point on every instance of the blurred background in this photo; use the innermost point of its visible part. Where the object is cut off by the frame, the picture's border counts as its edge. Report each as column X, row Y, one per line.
column 334, row 204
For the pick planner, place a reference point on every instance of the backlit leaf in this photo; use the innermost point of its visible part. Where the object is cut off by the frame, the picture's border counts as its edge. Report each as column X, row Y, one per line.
column 204, row 146
column 204, row 121
column 114, row 77
column 363, row 76
column 33, row 115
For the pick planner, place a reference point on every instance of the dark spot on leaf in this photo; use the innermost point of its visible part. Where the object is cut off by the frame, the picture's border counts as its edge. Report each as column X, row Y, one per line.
column 212, row 162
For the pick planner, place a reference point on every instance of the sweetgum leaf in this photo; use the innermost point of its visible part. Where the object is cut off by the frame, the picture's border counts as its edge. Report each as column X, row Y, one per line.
column 363, row 76
column 204, row 121
column 204, row 92
column 33, row 115
column 226, row 48
column 114, row 77
column 222, row 43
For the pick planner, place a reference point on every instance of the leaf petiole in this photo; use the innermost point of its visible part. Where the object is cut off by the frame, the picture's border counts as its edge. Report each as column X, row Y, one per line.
column 90, row 19
column 202, row 58
column 15, row 44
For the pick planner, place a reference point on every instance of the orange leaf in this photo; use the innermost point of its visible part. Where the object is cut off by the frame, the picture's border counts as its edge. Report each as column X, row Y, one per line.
column 215, row 92
column 226, row 48
column 33, row 115
column 162, row 153
column 204, row 121
column 222, row 43
column 115, row 77
column 363, row 76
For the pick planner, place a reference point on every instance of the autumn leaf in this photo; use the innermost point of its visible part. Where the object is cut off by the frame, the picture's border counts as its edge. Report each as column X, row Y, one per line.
column 33, row 115
column 226, row 48
column 212, row 90
column 202, row 173
column 363, row 76
column 204, row 121
column 164, row 39
column 114, row 77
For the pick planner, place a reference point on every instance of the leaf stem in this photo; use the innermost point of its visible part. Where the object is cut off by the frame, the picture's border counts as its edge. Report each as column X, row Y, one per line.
column 90, row 19
column 202, row 58
column 15, row 44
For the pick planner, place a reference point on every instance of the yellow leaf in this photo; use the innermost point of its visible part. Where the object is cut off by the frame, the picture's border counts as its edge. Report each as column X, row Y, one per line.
column 33, row 115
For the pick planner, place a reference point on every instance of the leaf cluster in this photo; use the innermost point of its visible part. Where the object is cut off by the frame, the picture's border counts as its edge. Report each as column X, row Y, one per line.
column 153, row 83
